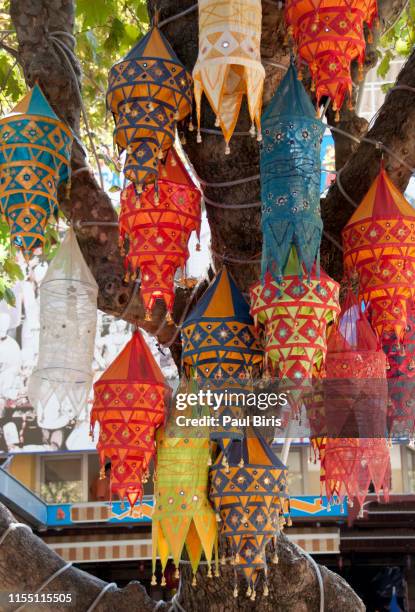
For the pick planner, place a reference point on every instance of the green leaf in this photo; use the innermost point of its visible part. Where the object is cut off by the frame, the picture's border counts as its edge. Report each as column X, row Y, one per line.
column 95, row 12
column 9, row 297
column 116, row 36
column 384, row 65
column 13, row 269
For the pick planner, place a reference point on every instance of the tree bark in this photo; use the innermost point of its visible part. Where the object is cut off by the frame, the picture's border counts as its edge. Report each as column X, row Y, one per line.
column 292, row 583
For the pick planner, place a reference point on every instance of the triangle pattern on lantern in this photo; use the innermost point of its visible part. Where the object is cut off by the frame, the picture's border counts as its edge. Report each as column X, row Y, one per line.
column 129, row 405
column 155, row 228
column 290, row 178
column 182, row 514
column 379, row 246
column 229, row 65
column 35, row 151
column 329, row 36
column 149, row 90
column 59, row 387
column 250, row 498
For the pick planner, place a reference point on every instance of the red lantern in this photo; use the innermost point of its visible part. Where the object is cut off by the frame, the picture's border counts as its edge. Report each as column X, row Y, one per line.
column 379, row 245
column 129, row 405
column 355, row 387
column 155, row 228
column 329, row 36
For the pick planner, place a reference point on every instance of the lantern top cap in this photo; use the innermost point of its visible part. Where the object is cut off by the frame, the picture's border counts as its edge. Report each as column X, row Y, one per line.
column 153, row 45
column 289, row 100
column 222, row 300
column 136, row 364
column 34, row 103
column 382, row 201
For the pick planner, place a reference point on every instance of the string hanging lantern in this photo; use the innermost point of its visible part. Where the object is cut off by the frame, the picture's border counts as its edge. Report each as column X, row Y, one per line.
column 290, row 178
column 182, row 514
column 155, row 229
column 129, row 405
column 149, row 90
column 220, row 348
column 60, row 385
column 355, row 387
column 250, row 502
column 229, row 65
column 329, row 36
column 401, row 384
column 35, row 152
column 379, row 246
column 295, row 314
column 351, row 464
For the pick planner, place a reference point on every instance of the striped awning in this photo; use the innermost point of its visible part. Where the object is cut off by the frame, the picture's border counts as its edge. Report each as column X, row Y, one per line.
column 135, row 547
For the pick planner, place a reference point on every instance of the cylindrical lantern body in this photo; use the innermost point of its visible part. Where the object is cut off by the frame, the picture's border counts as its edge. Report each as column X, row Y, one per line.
column 229, row 64
column 35, row 152
column 379, row 246
column 149, row 90
column 60, row 385
column 155, row 229
column 290, row 178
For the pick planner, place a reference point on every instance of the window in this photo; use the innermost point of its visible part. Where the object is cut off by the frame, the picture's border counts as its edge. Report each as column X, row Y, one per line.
column 295, row 472
column 61, row 479
column 410, row 456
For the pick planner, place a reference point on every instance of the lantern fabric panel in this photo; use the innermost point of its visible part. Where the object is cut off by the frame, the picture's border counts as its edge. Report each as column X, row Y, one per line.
column 250, row 501
column 229, row 65
column 129, row 405
column 355, row 386
column 183, row 516
column 60, row 385
column 149, row 90
column 155, row 228
column 35, row 152
column 379, row 246
column 290, row 178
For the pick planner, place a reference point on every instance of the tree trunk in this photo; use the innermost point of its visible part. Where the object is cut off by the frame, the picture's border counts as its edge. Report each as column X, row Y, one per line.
column 236, row 240
column 292, row 583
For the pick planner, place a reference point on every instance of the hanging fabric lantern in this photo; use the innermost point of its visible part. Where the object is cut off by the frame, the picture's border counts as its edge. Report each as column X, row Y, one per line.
column 155, row 229
column 329, row 36
column 129, row 405
column 182, row 514
column 290, row 178
column 250, row 502
column 355, row 387
column 35, row 153
column 229, row 65
column 60, row 385
column 149, row 90
column 379, row 246
column 295, row 314
column 401, row 380
column 351, row 464
column 220, row 347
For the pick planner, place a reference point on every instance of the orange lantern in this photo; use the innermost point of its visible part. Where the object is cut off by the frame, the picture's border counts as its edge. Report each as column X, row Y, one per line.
column 129, row 405
column 329, row 36
column 379, row 245
column 155, row 229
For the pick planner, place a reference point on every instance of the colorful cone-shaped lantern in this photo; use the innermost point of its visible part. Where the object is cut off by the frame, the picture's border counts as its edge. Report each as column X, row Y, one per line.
column 129, row 405
column 295, row 314
column 329, row 36
column 401, row 380
column 290, row 178
column 351, row 464
column 60, row 385
column 229, row 65
column 379, row 245
column 35, row 152
column 250, row 504
column 182, row 514
column 149, row 90
column 355, row 386
column 155, row 229
column 220, row 347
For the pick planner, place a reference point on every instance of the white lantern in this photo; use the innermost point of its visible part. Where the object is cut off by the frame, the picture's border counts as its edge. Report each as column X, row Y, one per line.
column 60, row 385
